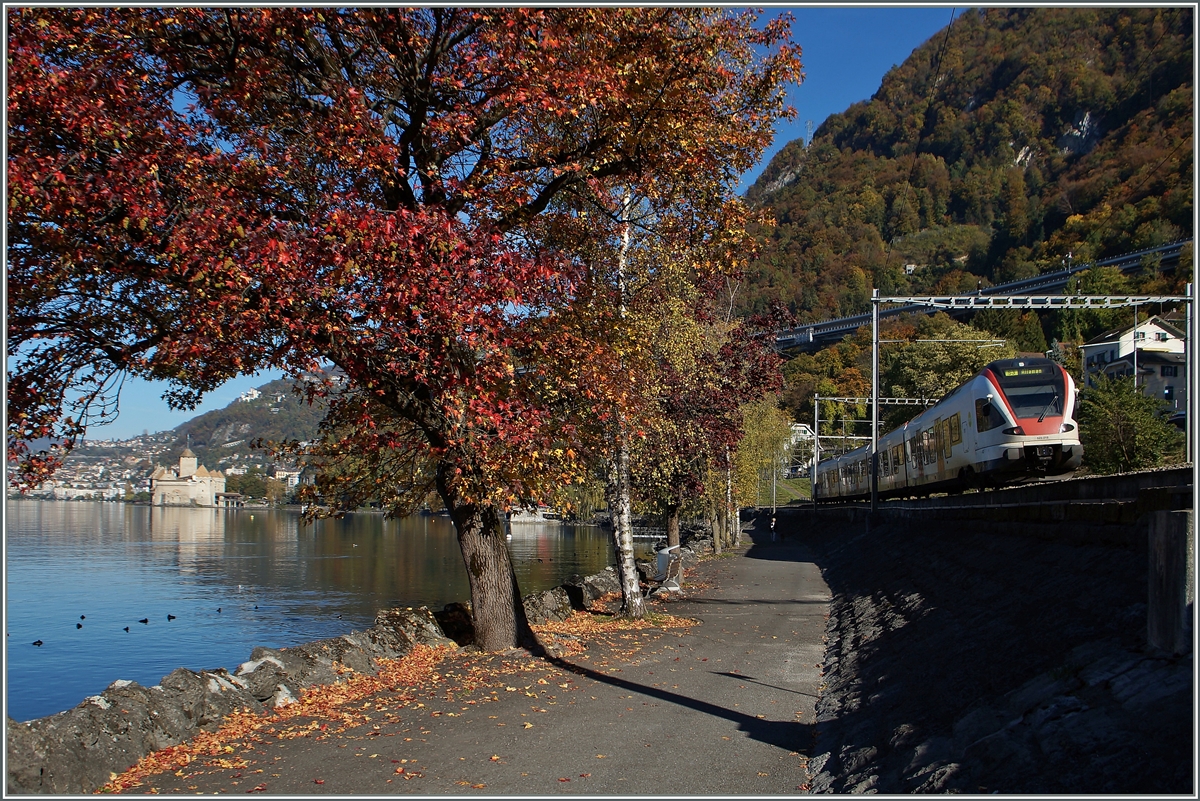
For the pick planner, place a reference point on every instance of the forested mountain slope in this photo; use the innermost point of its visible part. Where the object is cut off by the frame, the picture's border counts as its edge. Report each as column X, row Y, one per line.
column 224, row 437
column 1003, row 144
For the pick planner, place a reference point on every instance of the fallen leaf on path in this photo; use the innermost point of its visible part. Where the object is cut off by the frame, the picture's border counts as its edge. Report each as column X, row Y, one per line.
column 318, row 781
column 529, row 725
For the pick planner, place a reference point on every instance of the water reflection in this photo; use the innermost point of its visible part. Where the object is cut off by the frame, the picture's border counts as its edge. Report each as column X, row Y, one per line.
column 233, row 579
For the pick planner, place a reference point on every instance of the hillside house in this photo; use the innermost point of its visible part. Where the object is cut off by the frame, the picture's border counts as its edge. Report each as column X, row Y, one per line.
column 1157, row 346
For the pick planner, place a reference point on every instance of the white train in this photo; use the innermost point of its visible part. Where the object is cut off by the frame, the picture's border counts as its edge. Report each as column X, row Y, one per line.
column 1012, row 422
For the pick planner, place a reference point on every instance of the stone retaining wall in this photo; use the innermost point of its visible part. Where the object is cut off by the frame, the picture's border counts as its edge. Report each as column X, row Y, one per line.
column 980, row 651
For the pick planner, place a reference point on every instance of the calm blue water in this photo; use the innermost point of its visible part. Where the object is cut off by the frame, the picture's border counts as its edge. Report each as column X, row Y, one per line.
column 276, row 582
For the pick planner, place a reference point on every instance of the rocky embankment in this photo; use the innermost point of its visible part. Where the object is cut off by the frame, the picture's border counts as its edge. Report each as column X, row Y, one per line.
column 962, row 659
column 76, row 751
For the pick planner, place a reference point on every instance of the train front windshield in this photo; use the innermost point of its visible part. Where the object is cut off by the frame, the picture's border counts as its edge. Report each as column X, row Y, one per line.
column 1034, row 390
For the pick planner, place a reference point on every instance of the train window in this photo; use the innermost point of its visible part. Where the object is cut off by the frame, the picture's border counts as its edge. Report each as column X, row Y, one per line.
column 929, row 446
column 955, row 429
column 946, row 434
column 1033, row 390
column 896, row 456
column 987, row 416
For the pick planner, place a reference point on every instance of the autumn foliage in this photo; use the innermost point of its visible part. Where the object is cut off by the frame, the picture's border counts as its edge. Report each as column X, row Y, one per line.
column 197, row 193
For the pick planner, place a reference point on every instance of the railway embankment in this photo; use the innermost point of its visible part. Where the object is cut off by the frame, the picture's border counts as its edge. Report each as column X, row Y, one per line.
column 998, row 642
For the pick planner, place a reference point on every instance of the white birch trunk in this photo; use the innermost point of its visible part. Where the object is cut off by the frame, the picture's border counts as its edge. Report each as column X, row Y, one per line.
column 618, row 491
column 730, row 517
column 620, row 510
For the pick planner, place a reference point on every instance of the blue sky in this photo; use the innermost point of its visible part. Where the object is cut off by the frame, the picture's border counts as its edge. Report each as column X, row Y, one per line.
column 846, row 52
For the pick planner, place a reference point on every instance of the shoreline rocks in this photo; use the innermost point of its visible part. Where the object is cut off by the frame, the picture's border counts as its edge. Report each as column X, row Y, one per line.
column 77, row 750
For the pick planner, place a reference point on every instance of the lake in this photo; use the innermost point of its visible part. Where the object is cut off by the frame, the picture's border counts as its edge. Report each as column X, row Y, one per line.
column 78, row 573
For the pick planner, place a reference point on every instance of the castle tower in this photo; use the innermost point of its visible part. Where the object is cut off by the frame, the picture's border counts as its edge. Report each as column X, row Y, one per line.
column 187, row 463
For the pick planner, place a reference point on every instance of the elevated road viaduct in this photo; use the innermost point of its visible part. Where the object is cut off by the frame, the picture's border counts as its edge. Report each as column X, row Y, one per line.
column 814, row 336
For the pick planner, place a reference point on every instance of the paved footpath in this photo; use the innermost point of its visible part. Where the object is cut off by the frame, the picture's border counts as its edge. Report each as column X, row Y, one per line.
column 724, row 707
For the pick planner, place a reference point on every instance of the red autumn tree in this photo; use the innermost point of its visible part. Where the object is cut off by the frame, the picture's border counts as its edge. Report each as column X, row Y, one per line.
column 196, row 193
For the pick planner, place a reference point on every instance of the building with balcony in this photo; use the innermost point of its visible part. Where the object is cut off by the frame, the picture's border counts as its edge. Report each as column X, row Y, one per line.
column 1154, row 350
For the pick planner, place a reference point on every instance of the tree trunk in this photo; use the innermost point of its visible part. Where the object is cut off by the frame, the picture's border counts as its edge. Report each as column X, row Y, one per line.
column 617, row 495
column 674, row 559
column 714, row 521
column 496, row 608
column 730, row 509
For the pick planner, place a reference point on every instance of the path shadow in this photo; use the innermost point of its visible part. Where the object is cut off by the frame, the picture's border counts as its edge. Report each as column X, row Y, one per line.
column 788, row 735
column 785, row 544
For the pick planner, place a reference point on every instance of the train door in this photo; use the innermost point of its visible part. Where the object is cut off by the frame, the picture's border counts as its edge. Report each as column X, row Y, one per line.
column 938, row 438
column 953, row 436
column 987, row 419
column 898, row 465
column 917, row 459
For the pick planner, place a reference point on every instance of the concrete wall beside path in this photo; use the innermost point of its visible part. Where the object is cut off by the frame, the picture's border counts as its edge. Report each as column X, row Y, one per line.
column 996, row 649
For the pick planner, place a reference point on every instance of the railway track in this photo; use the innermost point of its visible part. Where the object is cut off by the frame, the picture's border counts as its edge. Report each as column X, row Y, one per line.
column 1164, row 488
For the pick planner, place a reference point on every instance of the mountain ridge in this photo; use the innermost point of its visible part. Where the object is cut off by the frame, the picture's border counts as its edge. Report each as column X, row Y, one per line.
column 1009, row 142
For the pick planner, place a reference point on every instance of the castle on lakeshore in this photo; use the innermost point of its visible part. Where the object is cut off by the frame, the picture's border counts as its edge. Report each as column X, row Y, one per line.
column 189, row 484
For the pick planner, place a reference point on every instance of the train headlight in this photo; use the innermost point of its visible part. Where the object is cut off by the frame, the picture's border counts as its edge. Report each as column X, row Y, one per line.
column 1065, row 427
column 1015, row 431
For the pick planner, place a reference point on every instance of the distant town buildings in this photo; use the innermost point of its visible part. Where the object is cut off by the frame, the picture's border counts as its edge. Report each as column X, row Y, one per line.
column 291, row 478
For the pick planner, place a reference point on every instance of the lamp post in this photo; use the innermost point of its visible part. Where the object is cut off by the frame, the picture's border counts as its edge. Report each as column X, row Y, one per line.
column 774, row 471
column 874, row 399
column 812, row 482
column 1135, row 333
column 1188, row 378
